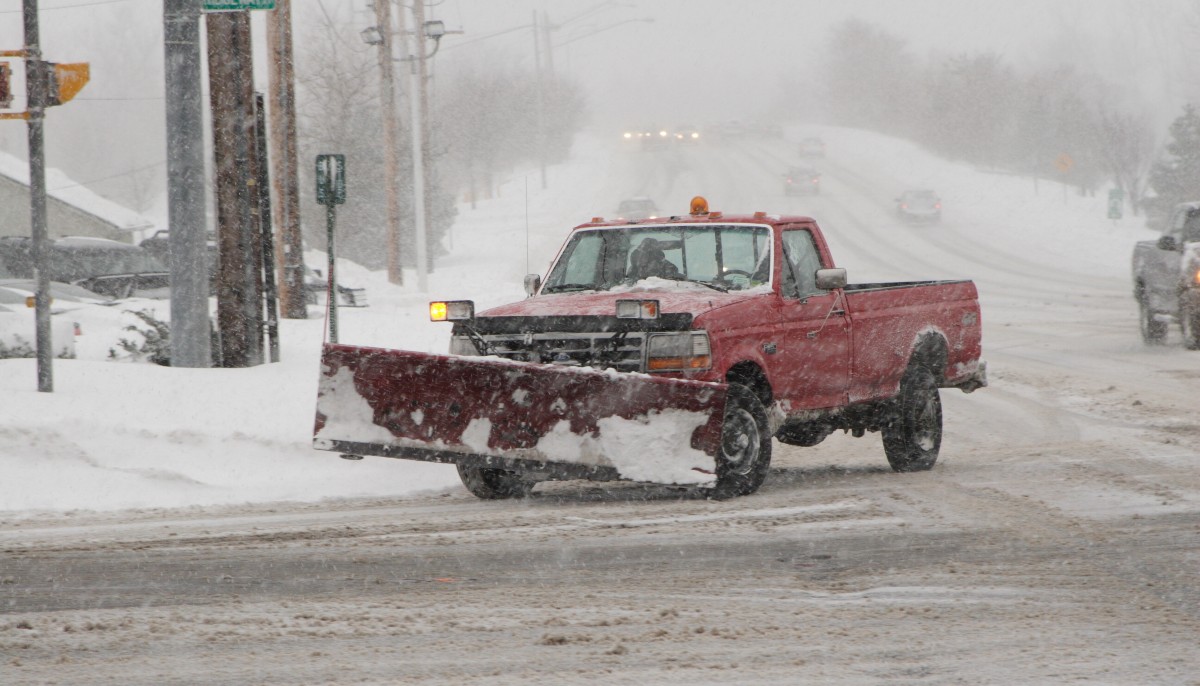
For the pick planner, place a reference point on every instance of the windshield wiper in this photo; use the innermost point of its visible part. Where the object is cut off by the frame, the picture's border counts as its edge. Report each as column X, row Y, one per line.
column 713, row 286
column 570, row 287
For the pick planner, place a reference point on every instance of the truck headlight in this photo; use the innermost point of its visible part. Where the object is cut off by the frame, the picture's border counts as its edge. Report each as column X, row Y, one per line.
column 673, row 352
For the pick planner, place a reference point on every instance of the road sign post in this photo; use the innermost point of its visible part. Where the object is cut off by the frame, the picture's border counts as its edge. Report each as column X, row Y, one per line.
column 1116, row 201
column 1064, row 163
column 331, row 192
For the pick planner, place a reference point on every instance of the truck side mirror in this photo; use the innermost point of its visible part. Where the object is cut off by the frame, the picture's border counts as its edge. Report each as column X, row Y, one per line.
column 828, row 279
column 1167, row 243
column 532, row 283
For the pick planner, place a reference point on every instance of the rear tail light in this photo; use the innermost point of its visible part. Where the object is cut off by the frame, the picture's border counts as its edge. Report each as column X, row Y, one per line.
column 78, row 329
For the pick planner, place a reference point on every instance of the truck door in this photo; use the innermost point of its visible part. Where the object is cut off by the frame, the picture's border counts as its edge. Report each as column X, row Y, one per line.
column 812, row 360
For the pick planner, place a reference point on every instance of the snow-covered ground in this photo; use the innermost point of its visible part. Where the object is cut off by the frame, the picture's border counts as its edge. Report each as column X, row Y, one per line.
column 1052, row 543
column 120, row 435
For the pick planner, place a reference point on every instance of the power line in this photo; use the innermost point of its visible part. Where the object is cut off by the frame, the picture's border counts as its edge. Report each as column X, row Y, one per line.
column 71, row 7
column 127, row 172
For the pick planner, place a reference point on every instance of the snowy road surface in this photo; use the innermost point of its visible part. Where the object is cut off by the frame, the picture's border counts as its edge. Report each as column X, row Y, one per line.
column 1015, row 564
column 1056, row 541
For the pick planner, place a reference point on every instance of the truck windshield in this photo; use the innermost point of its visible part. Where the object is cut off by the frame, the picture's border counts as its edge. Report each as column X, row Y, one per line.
column 722, row 257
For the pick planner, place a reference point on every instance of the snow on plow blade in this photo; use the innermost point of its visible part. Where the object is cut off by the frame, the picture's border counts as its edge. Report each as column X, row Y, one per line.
column 551, row 421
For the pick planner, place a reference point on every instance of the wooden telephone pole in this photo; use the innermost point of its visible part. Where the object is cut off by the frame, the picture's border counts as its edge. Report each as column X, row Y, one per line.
column 282, row 107
column 239, row 276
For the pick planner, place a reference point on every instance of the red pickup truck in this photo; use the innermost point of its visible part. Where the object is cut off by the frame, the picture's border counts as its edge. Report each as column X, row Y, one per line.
column 665, row 350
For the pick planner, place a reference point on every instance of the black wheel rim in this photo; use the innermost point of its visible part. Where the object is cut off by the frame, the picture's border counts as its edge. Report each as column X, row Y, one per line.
column 925, row 419
column 740, row 441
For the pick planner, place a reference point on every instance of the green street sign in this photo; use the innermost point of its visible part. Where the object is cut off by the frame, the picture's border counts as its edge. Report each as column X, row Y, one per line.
column 237, row 5
column 331, row 179
column 1116, row 200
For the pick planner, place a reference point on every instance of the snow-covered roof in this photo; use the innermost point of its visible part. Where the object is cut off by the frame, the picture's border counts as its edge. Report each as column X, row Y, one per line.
column 63, row 188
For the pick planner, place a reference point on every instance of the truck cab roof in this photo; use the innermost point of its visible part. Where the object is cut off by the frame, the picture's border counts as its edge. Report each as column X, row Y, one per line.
column 759, row 218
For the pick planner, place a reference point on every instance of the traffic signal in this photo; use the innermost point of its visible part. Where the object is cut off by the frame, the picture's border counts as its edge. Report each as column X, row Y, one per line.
column 58, row 82
column 6, row 95
column 68, row 80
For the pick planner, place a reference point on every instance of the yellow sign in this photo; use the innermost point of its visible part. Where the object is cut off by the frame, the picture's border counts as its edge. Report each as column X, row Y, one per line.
column 1064, row 163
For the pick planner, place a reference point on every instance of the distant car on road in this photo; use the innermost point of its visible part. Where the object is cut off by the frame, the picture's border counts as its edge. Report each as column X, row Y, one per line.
column 686, row 133
column 637, row 208
column 802, row 180
column 107, row 267
column 655, row 137
column 919, row 206
column 812, row 147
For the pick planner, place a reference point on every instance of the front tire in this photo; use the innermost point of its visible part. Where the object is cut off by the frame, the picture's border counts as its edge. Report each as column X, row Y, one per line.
column 1189, row 325
column 493, row 484
column 1153, row 331
column 914, row 437
column 744, row 455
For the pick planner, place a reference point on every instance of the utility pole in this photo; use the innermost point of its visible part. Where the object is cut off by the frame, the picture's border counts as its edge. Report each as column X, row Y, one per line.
column 190, row 329
column 415, row 126
column 423, row 100
column 387, row 91
column 547, row 27
column 239, row 296
column 36, row 84
column 282, row 105
column 540, row 134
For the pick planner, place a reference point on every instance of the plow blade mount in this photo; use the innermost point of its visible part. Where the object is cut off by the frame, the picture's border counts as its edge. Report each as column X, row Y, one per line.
column 547, row 421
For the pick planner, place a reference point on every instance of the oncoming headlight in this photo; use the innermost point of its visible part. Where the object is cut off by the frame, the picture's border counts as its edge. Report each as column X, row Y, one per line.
column 674, row 352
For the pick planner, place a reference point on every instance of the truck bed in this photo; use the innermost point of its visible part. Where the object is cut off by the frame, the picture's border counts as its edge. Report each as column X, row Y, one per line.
column 890, row 317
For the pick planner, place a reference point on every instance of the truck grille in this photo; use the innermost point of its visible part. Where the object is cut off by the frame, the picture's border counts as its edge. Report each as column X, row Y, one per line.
column 601, row 351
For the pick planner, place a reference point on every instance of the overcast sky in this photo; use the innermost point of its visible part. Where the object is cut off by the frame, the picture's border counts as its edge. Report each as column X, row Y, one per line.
column 728, row 51
column 697, row 60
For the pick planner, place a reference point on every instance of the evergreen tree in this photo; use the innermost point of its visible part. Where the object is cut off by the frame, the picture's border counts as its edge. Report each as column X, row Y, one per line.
column 1177, row 178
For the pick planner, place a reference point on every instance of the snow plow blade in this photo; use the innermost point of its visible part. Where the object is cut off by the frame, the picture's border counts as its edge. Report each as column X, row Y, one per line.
column 547, row 421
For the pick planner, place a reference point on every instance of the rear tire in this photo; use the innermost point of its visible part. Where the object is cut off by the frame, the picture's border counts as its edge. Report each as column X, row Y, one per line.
column 493, row 484
column 1154, row 332
column 744, row 455
column 912, row 440
column 1189, row 325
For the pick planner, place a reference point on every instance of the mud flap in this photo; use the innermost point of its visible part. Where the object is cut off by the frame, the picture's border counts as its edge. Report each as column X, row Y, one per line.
column 561, row 422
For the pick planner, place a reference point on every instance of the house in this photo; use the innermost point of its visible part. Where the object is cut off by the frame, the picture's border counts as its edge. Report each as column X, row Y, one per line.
column 71, row 209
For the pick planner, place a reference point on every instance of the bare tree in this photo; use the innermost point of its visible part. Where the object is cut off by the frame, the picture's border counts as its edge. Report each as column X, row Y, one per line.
column 1127, row 148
